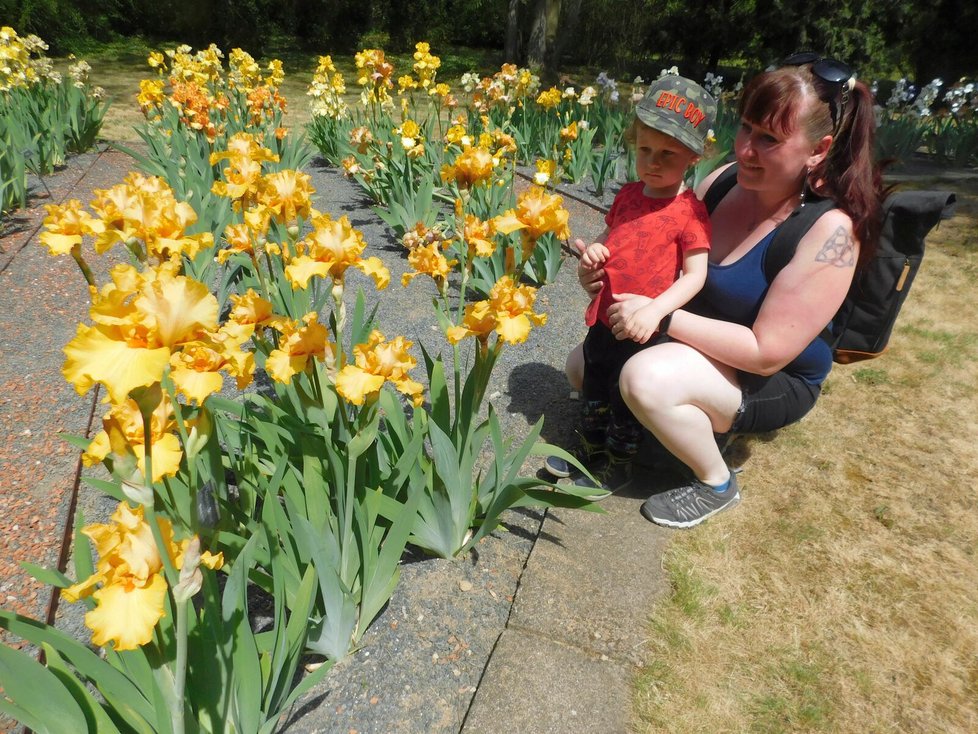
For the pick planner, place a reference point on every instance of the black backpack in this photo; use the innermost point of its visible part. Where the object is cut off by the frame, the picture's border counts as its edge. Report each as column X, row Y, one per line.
column 862, row 326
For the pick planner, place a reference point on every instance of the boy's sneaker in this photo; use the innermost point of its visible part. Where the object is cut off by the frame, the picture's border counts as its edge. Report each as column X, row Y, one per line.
column 590, row 454
column 690, row 504
column 614, row 474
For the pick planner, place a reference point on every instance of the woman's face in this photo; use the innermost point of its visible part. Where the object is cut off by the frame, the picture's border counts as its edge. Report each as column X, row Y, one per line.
column 773, row 161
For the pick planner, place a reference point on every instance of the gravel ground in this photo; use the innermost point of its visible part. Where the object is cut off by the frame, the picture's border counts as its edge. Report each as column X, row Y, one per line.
column 421, row 662
column 41, row 300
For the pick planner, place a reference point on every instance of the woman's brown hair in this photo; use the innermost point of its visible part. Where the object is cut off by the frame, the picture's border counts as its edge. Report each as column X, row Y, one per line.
column 786, row 98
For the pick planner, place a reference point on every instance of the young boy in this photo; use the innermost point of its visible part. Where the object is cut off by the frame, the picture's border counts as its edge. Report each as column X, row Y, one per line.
column 654, row 255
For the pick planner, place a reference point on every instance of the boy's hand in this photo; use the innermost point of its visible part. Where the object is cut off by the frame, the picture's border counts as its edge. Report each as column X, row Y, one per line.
column 591, row 279
column 634, row 317
column 594, row 256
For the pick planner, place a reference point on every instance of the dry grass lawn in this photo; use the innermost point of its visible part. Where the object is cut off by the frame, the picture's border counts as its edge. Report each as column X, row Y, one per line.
column 842, row 595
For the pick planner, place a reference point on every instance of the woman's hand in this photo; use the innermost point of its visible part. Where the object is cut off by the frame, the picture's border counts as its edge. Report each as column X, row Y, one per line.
column 590, row 278
column 634, row 317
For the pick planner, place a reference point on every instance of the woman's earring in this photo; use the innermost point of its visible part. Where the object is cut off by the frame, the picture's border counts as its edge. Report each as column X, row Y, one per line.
column 804, row 188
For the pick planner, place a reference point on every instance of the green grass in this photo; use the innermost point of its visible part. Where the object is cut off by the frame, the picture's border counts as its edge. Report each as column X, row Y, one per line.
column 799, row 703
column 871, row 376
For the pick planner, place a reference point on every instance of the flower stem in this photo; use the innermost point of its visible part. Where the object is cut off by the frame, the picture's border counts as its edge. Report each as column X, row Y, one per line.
column 83, row 266
column 170, row 390
column 172, row 576
column 266, row 294
column 339, row 315
column 180, row 682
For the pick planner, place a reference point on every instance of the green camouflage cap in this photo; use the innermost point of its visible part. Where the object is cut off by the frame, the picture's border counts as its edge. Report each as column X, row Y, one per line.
column 680, row 108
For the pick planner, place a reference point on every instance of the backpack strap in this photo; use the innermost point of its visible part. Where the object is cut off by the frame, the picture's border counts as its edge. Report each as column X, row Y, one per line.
column 720, row 187
column 790, row 232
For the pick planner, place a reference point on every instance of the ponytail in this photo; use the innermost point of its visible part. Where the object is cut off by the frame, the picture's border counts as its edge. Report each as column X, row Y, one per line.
column 849, row 173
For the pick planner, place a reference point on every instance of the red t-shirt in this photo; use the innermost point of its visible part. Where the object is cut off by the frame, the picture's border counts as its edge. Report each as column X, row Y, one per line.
column 647, row 239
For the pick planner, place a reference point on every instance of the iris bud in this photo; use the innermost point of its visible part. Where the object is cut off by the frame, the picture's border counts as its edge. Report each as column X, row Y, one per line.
column 208, row 514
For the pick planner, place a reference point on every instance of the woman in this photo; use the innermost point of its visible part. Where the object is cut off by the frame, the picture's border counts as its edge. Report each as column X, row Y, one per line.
column 746, row 356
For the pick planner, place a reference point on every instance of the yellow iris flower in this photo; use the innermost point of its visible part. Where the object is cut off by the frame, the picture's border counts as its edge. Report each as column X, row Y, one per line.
column 478, row 235
column 374, row 73
column 276, row 73
column 441, row 90
column 145, row 209
column 239, row 240
column 375, row 362
column 243, row 174
column 197, row 368
column 457, row 135
column 505, row 143
column 410, row 134
column 479, row 321
column 329, row 251
column 243, row 71
column 326, row 90
column 299, row 343
column 287, row 194
column 473, row 166
column 140, row 319
column 550, row 98
column 513, row 306
column 536, row 214
column 426, row 64
column 569, row 133
column 128, row 584
column 123, row 439
column 428, row 260
column 545, row 171
column 252, row 311
column 151, row 94
column 66, row 226
column 362, row 138
column 508, row 311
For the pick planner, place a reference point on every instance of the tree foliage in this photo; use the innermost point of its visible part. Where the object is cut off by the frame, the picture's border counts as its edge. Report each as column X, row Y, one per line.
column 882, row 38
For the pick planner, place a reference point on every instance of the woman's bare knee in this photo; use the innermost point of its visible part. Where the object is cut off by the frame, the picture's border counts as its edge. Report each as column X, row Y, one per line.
column 658, row 379
column 644, row 382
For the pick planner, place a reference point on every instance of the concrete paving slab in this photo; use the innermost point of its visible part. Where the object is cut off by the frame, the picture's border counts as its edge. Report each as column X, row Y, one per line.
column 535, row 685
column 592, row 579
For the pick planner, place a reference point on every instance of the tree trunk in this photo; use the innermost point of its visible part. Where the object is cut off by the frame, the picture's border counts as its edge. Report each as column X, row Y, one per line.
column 513, row 47
column 536, row 44
column 568, row 29
column 543, row 35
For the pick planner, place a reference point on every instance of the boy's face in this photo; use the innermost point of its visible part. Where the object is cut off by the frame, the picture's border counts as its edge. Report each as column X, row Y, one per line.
column 661, row 161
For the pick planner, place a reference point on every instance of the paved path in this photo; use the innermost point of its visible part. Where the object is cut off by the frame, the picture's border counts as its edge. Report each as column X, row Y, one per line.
column 541, row 630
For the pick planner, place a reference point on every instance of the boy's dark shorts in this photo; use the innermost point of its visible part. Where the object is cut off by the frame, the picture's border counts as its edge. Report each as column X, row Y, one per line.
column 772, row 402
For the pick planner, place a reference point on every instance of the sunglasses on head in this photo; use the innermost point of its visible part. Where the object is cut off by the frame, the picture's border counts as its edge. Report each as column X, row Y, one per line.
column 830, row 71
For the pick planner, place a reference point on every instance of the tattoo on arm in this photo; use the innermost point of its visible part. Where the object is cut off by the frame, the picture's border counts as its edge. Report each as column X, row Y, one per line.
column 839, row 250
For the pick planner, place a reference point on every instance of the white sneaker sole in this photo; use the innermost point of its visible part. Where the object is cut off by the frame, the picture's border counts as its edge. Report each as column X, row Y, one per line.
column 667, row 522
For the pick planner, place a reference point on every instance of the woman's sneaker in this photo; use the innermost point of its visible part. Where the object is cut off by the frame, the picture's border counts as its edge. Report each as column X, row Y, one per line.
column 589, row 454
column 690, row 504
